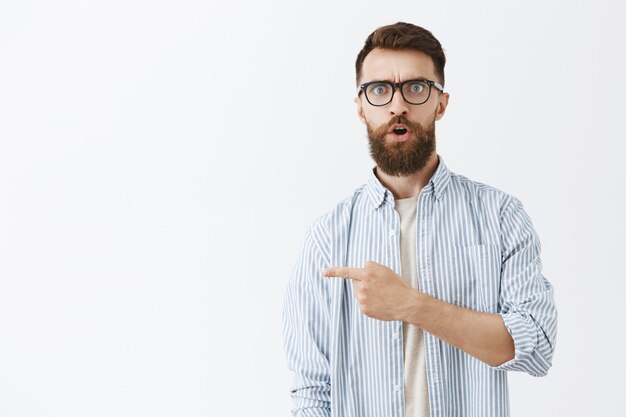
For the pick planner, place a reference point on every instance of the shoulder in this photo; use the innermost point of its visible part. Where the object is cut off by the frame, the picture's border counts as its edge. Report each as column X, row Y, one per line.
column 503, row 210
column 340, row 212
column 330, row 226
column 462, row 187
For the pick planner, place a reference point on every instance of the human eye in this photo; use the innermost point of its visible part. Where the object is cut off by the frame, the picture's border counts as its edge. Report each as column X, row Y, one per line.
column 416, row 87
column 378, row 89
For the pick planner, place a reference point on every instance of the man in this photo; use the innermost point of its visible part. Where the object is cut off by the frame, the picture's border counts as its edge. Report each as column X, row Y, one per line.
column 416, row 294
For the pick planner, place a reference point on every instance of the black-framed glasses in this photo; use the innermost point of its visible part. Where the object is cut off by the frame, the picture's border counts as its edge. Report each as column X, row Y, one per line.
column 380, row 93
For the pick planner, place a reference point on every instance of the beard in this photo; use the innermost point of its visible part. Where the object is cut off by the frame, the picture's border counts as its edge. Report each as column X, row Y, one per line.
column 402, row 158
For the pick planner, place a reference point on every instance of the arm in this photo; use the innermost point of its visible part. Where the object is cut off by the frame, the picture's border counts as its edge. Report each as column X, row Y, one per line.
column 520, row 337
column 482, row 335
column 384, row 295
column 526, row 297
column 305, row 331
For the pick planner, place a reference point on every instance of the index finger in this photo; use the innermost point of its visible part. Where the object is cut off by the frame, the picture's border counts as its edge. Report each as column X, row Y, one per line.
column 343, row 272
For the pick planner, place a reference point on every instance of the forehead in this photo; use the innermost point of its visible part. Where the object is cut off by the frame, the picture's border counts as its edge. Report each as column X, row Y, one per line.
column 397, row 65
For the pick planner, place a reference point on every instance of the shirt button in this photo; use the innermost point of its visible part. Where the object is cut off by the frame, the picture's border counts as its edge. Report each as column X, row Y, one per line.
column 392, row 232
column 396, row 335
column 396, row 387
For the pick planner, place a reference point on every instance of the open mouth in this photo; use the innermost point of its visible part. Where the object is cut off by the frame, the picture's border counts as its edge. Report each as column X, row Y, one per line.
column 399, row 133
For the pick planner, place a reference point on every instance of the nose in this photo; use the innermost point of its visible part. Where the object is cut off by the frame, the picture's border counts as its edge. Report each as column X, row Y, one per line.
column 397, row 105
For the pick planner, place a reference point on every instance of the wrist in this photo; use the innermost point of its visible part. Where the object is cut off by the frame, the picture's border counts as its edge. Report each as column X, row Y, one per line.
column 415, row 307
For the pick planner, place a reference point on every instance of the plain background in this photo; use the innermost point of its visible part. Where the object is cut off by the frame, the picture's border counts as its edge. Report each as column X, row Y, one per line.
column 160, row 162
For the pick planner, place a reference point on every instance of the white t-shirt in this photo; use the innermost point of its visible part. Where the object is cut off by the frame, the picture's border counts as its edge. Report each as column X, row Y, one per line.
column 415, row 383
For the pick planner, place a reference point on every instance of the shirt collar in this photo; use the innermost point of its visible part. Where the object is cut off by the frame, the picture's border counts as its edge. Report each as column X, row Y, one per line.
column 437, row 184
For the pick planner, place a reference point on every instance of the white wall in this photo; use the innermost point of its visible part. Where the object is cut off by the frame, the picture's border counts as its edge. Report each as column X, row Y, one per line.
column 160, row 162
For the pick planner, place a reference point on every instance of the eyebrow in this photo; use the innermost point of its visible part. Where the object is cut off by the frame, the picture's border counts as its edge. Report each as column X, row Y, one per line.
column 391, row 81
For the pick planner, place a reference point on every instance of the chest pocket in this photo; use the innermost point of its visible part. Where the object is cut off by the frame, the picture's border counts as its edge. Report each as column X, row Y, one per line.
column 475, row 277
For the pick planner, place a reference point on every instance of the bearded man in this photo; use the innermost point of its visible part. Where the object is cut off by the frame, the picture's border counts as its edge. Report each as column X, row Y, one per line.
column 416, row 294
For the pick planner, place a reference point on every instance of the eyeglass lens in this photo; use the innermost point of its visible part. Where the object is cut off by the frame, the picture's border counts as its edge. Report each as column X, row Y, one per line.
column 381, row 93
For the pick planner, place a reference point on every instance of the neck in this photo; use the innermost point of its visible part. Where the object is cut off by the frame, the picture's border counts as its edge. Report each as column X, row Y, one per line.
column 411, row 185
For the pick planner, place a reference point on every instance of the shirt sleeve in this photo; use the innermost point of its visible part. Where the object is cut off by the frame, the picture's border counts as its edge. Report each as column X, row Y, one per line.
column 306, row 327
column 526, row 296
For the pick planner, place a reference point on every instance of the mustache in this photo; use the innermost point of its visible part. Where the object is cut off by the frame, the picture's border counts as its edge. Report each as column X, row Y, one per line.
column 380, row 131
column 400, row 119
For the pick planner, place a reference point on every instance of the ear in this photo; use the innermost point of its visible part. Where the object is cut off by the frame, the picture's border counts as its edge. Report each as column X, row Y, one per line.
column 442, row 105
column 359, row 108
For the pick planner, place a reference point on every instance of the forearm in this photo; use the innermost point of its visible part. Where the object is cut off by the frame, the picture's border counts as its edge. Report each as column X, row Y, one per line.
column 482, row 335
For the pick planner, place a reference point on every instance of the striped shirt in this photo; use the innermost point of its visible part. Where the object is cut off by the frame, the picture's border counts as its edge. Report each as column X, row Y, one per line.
column 476, row 248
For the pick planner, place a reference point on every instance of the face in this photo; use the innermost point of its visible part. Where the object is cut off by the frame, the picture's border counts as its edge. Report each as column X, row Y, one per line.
column 401, row 135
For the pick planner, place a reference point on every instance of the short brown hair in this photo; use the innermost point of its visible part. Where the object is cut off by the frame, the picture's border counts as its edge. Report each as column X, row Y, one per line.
column 403, row 35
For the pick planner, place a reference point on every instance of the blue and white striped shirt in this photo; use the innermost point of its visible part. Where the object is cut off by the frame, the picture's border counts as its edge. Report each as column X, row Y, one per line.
column 476, row 247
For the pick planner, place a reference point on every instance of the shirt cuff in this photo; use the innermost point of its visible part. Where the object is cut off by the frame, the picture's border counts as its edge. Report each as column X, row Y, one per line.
column 523, row 330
